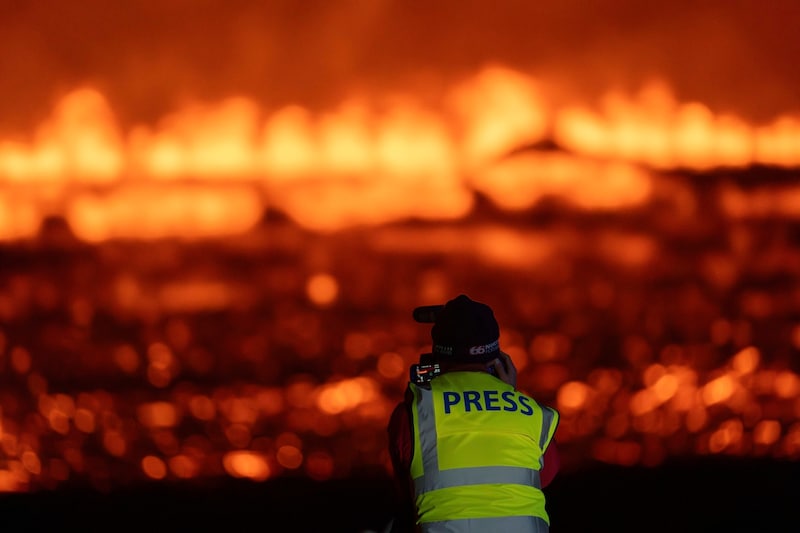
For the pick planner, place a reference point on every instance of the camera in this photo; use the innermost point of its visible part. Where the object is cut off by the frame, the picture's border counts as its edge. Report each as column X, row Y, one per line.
column 427, row 368
column 426, row 314
column 423, row 373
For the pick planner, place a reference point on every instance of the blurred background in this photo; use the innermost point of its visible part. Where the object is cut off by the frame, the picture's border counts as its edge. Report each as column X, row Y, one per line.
column 217, row 217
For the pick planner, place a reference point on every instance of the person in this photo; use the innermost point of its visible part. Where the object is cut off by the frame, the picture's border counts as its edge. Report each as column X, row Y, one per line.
column 470, row 452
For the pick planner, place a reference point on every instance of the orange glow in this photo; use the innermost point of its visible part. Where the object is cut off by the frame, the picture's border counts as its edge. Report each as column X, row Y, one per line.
column 202, row 407
column 412, row 144
column 335, row 398
column 159, row 355
column 763, row 382
column 158, row 415
column 780, row 200
column 617, row 425
column 194, row 296
column 322, row 289
column 319, row 465
column 75, row 459
column 157, row 376
column 19, row 472
column 199, row 141
column 59, row 421
column 206, row 170
column 20, row 360
column 572, row 395
column 299, row 393
column 779, row 142
column 357, row 345
column 767, row 432
column 246, row 464
column 653, row 373
column 159, row 370
column 746, row 361
column 696, row 418
column 238, row 435
column 499, row 109
column 166, row 441
column 270, row 401
column 520, row 182
column 289, row 438
column 253, row 220
column 549, row 377
column 20, row 217
column 46, row 404
column 9, row 482
column 239, row 410
column 501, row 246
column 606, row 381
column 729, row 433
column 85, row 420
column 625, row 453
column 114, row 443
column 153, row 467
column 179, row 334
column 190, row 211
column 655, row 129
column 643, row 401
column 289, row 457
column 126, row 358
column 288, row 147
column 518, row 355
column 31, row 462
column 36, row 384
column 792, row 441
column 665, row 387
column 183, row 467
column 787, row 385
column 550, row 347
column 718, row 390
column 685, row 396
column 629, row 250
column 80, row 140
column 344, row 139
column 391, row 365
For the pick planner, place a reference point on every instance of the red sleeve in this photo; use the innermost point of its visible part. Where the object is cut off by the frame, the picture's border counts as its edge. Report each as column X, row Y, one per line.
column 400, row 451
column 400, row 441
column 552, row 462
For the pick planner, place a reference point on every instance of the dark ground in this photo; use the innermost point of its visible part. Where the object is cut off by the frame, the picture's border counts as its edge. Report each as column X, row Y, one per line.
column 703, row 495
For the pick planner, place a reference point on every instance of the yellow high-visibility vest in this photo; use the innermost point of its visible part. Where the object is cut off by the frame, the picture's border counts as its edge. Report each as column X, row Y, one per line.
column 478, row 450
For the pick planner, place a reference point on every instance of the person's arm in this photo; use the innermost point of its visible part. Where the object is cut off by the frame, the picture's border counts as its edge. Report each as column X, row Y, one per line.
column 400, row 450
column 552, row 463
column 505, row 369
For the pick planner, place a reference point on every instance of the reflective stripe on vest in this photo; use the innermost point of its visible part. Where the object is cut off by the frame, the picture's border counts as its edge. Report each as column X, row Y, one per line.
column 507, row 524
column 454, row 498
column 477, row 475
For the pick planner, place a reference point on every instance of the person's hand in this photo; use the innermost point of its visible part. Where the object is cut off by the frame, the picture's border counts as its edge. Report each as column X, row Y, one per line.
column 504, row 369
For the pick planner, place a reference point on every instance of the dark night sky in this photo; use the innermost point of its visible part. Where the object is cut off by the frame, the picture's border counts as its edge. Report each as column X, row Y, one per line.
column 149, row 56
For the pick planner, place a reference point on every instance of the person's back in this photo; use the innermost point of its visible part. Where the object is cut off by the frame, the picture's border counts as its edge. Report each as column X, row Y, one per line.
column 472, row 452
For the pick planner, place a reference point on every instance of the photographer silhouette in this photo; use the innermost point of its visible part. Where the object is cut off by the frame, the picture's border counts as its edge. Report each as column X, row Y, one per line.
column 470, row 452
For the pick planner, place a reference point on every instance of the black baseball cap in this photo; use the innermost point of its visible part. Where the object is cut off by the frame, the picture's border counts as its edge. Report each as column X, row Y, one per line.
column 463, row 330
